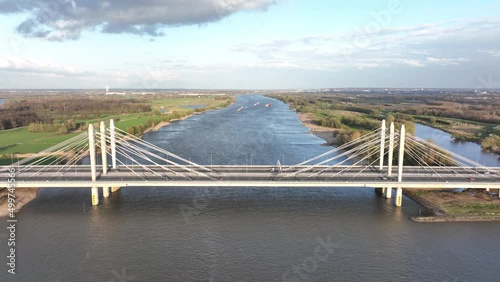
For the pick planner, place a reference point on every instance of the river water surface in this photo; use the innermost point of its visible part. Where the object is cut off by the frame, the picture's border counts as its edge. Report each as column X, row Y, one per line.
column 470, row 150
column 243, row 234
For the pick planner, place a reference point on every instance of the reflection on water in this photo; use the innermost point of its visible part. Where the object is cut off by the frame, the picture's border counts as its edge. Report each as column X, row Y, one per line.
column 243, row 234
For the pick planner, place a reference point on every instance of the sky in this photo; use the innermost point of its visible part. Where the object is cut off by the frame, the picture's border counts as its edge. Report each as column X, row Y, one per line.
column 249, row 44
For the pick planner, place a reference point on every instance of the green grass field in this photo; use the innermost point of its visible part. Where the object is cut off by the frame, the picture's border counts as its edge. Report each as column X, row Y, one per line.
column 21, row 141
column 179, row 104
column 467, row 209
column 134, row 119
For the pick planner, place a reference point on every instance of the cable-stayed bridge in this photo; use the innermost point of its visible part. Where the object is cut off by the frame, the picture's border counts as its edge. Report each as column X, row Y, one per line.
column 111, row 158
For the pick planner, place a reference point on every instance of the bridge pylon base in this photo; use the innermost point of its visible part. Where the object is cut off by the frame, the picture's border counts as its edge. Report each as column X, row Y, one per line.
column 399, row 197
column 95, row 196
column 105, row 192
column 388, row 192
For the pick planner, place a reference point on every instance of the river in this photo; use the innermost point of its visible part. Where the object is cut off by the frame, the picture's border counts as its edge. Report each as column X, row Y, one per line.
column 261, row 234
column 469, row 150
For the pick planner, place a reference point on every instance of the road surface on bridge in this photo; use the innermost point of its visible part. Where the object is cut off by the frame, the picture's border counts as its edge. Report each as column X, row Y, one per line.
column 257, row 176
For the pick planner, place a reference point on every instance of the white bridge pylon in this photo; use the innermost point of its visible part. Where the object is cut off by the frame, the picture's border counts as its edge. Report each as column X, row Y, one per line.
column 111, row 158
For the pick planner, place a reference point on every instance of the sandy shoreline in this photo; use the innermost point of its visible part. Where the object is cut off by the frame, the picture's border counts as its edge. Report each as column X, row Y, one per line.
column 23, row 197
column 325, row 133
column 165, row 123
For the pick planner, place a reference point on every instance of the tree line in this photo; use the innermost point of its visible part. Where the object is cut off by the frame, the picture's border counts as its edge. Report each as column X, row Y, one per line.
column 50, row 110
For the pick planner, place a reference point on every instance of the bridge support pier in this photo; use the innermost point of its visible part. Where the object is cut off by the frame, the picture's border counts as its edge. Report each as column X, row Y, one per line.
column 381, row 191
column 399, row 197
column 95, row 196
column 399, row 193
column 95, row 190
column 105, row 192
column 388, row 192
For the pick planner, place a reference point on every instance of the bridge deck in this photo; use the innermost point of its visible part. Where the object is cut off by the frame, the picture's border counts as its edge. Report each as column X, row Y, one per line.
column 254, row 176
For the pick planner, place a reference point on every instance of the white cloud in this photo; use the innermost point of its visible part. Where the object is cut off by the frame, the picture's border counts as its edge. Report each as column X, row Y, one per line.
column 65, row 19
column 445, row 61
column 494, row 53
column 441, row 44
column 19, row 64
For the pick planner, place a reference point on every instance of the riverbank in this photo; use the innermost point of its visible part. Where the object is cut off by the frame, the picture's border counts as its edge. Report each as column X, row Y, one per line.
column 468, row 131
column 165, row 123
column 456, row 206
column 325, row 133
column 23, row 197
column 199, row 112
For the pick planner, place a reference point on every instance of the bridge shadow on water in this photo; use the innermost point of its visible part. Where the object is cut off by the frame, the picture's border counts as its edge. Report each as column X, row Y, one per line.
column 205, row 201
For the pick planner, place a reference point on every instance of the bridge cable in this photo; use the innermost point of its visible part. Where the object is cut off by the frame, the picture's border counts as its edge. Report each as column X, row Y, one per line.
column 142, row 150
column 336, row 149
column 154, row 147
column 352, row 150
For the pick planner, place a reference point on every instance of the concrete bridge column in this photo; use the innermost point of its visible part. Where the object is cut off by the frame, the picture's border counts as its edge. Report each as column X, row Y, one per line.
column 105, row 192
column 112, row 137
column 399, row 195
column 382, row 145
column 388, row 192
column 113, row 142
column 382, row 148
column 104, row 151
column 95, row 190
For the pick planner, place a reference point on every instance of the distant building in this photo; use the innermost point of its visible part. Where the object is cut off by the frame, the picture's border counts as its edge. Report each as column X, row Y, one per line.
column 113, row 93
